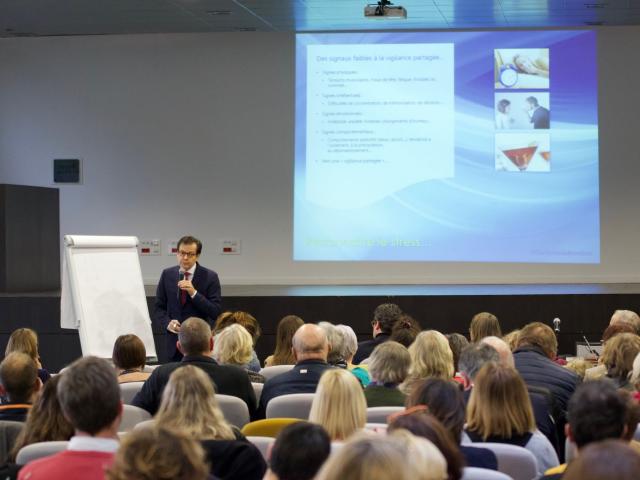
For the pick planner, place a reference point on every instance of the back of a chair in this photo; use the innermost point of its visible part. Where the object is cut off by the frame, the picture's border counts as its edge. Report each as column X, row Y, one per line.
column 145, row 424
column 636, row 436
column 128, row 391
column 376, row 427
column 473, row 473
column 235, row 410
column 267, row 428
column 295, row 405
column 39, row 450
column 517, row 462
column 9, row 431
column 131, row 416
column 149, row 368
column 257, row 389
column 380, row 414
column 270, row 372
column 263, row 444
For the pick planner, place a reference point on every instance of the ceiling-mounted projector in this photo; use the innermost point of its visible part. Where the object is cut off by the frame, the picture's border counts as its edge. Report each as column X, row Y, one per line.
column 384, row 9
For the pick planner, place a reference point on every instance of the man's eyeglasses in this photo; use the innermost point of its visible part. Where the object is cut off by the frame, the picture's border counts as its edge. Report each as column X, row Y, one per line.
column 187, row 254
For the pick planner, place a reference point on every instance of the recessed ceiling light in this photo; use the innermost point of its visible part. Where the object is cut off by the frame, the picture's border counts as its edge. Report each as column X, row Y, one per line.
column 216, row 13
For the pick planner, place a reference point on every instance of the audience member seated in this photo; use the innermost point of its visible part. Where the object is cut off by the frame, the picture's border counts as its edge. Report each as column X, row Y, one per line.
column 129, row 357
column 89, row 395
column 610, row 459
column 484, row 324
column 195, row 343
column 494, row 349
column 19, row 384
column 457, row 343
column 634, row 377
column 233, row 346
column 310, row 349
column 45, row 422
column 375, row 457
column 578, row 366
column 349, row 348
column 384, row 317
column 430, row 463
column 158, row 454
column 431, row 357
column 388, row 366
column 25, row 340
column 596, row 412
column 189, row 405
column 600, row 371
column 618, row 356
column 534, row 359
column 499, row 410
column 339, row 404
column 419, row 422
column 405, row 330
column 626, row 316
column 283, row 354
column 444, row 401
column 298, row 452
column 336, row 345
column 249, row 322
column 511, row 339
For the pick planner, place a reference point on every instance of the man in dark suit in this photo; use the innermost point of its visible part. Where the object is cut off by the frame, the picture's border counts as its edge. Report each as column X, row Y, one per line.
column 538, row 115
column 196, row 343
column 186, row 290
column 310, row 348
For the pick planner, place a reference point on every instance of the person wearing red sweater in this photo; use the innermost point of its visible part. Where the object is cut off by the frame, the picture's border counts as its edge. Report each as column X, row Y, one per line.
column 90, row 398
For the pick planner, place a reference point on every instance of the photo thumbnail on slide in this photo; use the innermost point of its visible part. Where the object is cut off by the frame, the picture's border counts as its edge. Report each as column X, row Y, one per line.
column 522, row 111
column 522, row 68
column 523, row 152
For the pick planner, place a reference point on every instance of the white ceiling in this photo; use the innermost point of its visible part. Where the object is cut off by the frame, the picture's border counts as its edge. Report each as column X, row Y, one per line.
column 99, row 17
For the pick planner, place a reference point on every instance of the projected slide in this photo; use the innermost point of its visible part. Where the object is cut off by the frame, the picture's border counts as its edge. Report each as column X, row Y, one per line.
column 451, row 146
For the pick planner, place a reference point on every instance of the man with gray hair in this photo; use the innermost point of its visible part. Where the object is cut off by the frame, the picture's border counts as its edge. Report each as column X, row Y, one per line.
column 89, row 396
column 310, row 349
column 195, row 342
column 384, row 316
column 336, row 344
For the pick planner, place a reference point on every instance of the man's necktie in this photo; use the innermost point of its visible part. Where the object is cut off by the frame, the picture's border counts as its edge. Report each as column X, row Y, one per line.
column 183, row 293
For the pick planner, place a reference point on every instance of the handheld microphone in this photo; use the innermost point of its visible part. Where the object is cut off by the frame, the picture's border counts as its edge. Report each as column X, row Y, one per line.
column 589, row 347
column 556, row 325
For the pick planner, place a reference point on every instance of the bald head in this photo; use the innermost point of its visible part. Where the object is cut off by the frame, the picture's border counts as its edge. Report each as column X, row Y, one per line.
column 506, row 357
column 19, row 377
column 310, row 343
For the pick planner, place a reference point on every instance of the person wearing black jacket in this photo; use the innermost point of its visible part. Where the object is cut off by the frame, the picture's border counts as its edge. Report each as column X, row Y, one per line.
column 196, row 343
column 384, row 317
column 310, row 348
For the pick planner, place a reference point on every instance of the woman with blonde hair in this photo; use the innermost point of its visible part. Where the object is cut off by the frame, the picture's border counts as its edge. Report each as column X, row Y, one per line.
column 233, row 346
column 618, row 355
column 339, row 404
column 25, row 340
column 499, row 410
column 160, row 454
column 249, row 322
column 189, row 405
column 283, row 355
column 431, row 357
column 381, row 457
column 484, row 324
